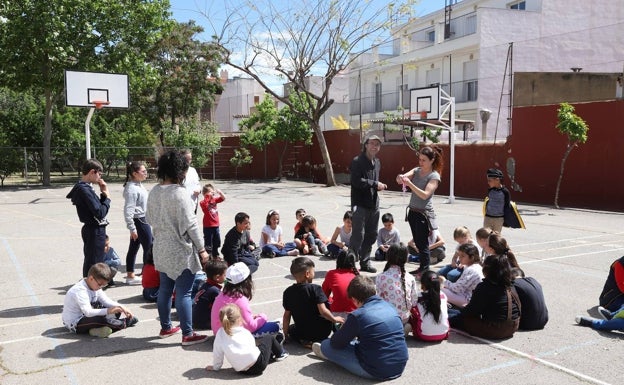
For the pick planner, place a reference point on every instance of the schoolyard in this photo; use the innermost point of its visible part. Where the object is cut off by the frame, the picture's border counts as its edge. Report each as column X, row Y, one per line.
column 567, row 251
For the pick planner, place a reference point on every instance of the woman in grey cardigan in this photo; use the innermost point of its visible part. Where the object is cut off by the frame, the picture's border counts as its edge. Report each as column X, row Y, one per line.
column 178, row 241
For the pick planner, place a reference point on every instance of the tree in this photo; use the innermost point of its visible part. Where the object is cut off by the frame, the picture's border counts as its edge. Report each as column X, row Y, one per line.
column 570, row 124
column 303, row 38
column 241, row 157
column 269, row 125
column 40, row 39
column 202, row 138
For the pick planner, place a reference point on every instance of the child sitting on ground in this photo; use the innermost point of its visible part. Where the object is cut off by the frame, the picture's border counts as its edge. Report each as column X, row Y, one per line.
column 395, row 286
column 238, row 346
column 482, row 236
column 150, row 278
column 460, row 291
column 344, row 233
column 208, row 292
column 111, row 259
column 272, row 240
column 299, row 214
column 534, row 310
column 451, row 272
column 306, row 303
column 336, row 282
column 437, row 250
column 386, row 236
column 87, row 309
column 312, row 242
column 429, row 318
column 238, row 289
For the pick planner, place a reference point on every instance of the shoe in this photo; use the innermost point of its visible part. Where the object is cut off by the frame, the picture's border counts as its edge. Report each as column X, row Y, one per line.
column 316, row 348
column 293, row 253
column 131, row 322
column 316, row 251
column 604, row 313
column 368, row 268
column 169, row 333
column 102, row 332
column 111, row 283
column 280, row 338
column 133, row 281
column 583, row 321
column 407, row 329
column 193, row 339
column 282, row 356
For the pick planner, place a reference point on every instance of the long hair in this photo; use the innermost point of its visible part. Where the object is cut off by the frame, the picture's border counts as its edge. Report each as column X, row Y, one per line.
column 497, row 270
column 500, row 247
column 397, row 256
column 229, row 316
column 471, row 251
column 346, row 260
column 237, row 290
column 435, row 154
column 131, row 168
column 430, row 297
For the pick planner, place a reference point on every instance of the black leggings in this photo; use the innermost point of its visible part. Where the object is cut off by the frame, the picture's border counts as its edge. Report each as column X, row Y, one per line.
column 269, row 347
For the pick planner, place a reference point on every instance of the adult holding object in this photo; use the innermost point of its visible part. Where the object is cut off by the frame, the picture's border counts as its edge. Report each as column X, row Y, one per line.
column 365, row 187
column 178, row 240
column 423, row 182
column 135, row 204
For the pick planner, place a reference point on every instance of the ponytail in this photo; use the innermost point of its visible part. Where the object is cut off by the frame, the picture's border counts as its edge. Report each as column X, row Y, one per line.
column 229, row 316
column 431, row 294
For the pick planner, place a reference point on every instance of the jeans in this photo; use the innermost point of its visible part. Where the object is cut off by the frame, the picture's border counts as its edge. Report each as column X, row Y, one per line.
column 420, row 232
column 212, row 240
column 344, row 357
column 183, row 301
column 364, row 233
column 450, row 273
column 144, row 239
column 612, row 324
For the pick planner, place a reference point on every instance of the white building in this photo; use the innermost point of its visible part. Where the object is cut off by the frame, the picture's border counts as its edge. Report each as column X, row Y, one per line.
column 239, row 96
column 486, row 42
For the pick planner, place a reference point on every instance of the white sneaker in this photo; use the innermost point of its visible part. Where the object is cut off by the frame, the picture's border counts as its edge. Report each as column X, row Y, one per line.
column 133, row 281
column 102, row 332
column 316, row 348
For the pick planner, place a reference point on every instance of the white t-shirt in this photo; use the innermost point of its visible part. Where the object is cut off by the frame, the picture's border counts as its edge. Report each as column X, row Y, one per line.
column 239, row 349
column 191, row 183
column 273, row 234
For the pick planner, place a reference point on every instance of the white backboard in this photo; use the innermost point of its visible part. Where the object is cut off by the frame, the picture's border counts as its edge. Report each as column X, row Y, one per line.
column 82, row 88
column 425, row 103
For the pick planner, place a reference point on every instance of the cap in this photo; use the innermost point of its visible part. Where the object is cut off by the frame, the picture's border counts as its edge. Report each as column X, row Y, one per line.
column 372, row 137
column 494, row 173
column 237, row 273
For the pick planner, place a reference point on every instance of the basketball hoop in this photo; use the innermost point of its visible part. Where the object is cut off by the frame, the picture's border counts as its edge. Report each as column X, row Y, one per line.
column 423, row 114
column 99, row 104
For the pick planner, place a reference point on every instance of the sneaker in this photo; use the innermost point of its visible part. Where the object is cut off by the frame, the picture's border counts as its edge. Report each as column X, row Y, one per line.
column 133, row 281
column 102, row 332
column 293, row 253
column 407, row 329
column 282, row 356
column 193, row 339
column 169, row 333
column 316, row 348
column 368, row 268
column 583, row 321
column 131, row 322
column 604, row 313
column 316, row 252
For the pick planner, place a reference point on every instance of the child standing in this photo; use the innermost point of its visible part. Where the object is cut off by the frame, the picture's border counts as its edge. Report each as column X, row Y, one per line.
column 311, row 240
column 238, row 346
column 87, row 309
column 460, row 291
column 395, row 286
column 386, row 236
column 208, row 292
column 429, row 318
column 344, row 233
column 306, row 303
column 111, row 259
column 336, row 282
column 497, row 200
column 212, row 236
column 238, row 289
column 272, row 239
column 150, row 277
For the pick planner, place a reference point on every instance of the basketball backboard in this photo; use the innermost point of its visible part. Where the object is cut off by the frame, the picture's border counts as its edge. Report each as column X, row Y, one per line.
column 83, row 88
column 425, row 103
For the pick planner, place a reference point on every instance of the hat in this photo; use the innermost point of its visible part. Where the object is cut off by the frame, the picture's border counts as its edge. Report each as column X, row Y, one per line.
column 372, row 137
column 494, row 173
column 237, row 273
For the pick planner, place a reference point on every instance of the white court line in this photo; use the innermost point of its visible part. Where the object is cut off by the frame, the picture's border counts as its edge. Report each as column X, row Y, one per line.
column 570, row 256
column 571, row 239
column 534, row 359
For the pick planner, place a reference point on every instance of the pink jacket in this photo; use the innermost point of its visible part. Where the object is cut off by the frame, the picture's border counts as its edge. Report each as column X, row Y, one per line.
column 251, row 322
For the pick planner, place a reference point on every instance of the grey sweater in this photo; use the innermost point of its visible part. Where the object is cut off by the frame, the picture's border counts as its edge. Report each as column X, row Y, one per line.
column 177, row 235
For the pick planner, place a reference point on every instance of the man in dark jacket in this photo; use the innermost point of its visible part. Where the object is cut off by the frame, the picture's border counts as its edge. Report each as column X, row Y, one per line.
column 92, row 211
column 365, row 186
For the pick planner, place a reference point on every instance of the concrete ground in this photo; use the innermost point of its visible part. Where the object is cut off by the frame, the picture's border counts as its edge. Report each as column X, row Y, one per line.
column 567, row 251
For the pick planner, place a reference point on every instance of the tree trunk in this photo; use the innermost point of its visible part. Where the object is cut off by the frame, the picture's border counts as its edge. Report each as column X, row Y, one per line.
column 565, row 157
column 329, row 170
column 280, row 161
column 47, row 138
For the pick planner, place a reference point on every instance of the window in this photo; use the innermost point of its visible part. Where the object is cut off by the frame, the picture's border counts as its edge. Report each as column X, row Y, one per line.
column 430, row 36
column 378, row 107
column 520, row 5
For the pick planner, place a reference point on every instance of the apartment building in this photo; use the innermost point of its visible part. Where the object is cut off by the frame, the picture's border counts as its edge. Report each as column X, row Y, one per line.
column 471, row 49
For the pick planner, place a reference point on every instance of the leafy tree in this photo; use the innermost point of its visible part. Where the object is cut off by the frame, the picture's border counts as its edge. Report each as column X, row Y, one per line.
column 40, row 39
column 241, row 157
column 268, row 125
column 575, row 128
column 298, row 39
column 202, row 138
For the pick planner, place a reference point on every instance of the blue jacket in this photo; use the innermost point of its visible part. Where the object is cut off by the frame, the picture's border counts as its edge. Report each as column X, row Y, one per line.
column 92, row 210
column 380, row 348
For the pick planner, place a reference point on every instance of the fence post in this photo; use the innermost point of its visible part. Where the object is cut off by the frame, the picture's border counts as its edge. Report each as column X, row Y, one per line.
column 26, row 165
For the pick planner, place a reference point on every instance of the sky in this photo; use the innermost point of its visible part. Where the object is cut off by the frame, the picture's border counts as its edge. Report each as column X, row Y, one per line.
column 185, row 10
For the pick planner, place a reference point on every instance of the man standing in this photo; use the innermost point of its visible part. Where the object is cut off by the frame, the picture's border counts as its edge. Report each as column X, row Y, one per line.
column 365, row 186
column 191, row 182
column 92, row 211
